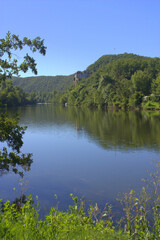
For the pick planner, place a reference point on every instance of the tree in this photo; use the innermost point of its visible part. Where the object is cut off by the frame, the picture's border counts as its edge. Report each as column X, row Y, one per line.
column 156, row 85
column 10, row 131
column 141, row 82
column 8, row 64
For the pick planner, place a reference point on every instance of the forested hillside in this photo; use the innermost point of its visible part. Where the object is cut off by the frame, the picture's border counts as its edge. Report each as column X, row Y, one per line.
column 102, row 61
column 44, row 83
column 124, row 81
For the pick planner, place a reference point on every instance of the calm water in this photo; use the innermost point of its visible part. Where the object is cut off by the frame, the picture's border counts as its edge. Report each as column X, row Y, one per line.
column 95, row 154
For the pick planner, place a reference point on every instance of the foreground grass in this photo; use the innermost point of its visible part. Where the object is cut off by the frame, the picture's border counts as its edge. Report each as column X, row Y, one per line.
column 141, row 219
column 24, row 223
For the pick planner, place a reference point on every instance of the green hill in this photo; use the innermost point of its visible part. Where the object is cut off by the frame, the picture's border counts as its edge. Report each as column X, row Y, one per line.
column 124, row 80
column 44, row 83
column 105, row 59
column 61, row 83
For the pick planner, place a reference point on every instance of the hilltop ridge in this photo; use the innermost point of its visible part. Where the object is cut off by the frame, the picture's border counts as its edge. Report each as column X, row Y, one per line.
column 60, row 83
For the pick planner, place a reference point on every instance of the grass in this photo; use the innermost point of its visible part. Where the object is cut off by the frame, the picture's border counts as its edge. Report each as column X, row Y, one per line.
column 24, row 223
column 141, row 219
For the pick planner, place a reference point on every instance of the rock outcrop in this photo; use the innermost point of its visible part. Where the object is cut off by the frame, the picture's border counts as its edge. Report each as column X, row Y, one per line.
column 79, row 75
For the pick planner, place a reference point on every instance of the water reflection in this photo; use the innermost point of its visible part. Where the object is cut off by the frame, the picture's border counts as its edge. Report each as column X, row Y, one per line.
column 110, row 129
column 90, row 153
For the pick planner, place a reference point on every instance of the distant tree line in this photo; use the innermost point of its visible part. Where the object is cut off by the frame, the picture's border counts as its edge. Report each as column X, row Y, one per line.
column 14, row 96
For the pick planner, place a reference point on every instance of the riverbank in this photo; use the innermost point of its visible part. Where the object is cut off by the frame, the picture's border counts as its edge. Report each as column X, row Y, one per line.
column 73, row 224
column 23, row 222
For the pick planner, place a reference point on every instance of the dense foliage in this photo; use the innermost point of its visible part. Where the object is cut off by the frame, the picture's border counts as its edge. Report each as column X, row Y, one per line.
column 14, row 96
column 124, row 81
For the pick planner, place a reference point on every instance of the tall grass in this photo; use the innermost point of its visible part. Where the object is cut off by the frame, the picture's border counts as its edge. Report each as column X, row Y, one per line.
column 141, row 219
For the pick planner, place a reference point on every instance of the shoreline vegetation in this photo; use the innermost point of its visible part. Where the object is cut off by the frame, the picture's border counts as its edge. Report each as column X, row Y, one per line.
column 125, row 81
column 140, row 220
column 151, row 107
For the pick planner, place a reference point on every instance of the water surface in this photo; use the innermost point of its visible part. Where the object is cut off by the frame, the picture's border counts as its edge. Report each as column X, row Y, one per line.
column 95, row 154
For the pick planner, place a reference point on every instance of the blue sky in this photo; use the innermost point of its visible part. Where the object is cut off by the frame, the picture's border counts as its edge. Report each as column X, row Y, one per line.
column 78, row 32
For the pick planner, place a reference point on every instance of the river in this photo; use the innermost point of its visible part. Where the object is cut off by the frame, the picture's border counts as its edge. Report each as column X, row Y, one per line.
column 91, row 153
